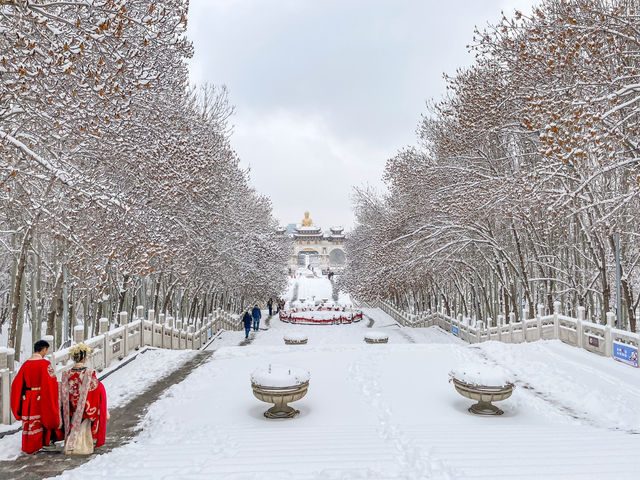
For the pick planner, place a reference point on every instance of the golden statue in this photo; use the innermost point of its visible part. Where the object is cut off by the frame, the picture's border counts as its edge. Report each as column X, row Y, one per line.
column 306, row 221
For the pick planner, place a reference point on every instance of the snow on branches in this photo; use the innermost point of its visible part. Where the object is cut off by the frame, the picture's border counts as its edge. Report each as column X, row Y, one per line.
column 116, row 175
column 526, row 172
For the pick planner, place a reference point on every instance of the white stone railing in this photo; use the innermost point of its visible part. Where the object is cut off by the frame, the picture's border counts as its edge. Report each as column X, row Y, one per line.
column 117, row 343
column 578, row 332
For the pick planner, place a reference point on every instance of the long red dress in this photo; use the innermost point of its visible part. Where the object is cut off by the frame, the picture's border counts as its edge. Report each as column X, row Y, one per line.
column 77, row 390
column 34, row 400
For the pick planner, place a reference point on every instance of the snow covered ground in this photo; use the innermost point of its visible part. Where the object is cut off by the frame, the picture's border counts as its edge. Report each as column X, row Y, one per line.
column 381, row 411
column 387, row 411
column 312, row 287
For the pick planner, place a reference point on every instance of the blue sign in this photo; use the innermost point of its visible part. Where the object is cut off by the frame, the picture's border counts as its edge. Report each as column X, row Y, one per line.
column 454, row 330
column 209, row 333
column 625, row 354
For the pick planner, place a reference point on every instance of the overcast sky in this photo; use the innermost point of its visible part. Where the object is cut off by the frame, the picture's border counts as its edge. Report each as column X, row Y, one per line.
column 327, row 90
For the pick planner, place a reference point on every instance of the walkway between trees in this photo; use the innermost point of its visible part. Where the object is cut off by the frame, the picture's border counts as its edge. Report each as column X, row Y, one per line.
column 123, row 426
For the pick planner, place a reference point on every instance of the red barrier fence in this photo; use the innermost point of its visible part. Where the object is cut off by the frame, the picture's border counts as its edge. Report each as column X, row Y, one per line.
column 307, row 318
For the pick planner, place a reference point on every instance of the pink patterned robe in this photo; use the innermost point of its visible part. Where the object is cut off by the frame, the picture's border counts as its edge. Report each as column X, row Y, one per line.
column 82, row 389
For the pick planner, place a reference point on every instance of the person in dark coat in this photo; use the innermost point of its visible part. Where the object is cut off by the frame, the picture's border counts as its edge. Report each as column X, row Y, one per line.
column 246, row 320
column 270, row 306
column 257, row 315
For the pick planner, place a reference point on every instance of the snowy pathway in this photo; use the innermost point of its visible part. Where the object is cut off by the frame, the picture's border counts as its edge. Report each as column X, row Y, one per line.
column 163, row 369
column 386, row 412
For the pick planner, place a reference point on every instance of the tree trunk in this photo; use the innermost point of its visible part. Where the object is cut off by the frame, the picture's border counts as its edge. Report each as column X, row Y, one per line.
column 123, row 293
column 55, row 308
column 36, row 308
column 96, row 322
column 17, row 288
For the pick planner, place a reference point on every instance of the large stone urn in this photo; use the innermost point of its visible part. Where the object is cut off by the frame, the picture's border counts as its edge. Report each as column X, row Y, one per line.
column 280, row 385
column 484, row 392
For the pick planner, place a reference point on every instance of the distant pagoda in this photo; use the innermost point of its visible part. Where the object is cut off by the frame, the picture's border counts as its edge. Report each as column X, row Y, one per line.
column 323, row 249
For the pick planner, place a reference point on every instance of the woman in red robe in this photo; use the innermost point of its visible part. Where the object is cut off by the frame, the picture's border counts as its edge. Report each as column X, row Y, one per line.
column 84, row 401
column 34, row 400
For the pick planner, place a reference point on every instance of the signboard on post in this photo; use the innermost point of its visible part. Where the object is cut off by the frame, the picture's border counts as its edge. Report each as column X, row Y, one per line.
column 594, row 341
column 116, row 347
column 625, row 353
column 454, row 330
column 209, row 334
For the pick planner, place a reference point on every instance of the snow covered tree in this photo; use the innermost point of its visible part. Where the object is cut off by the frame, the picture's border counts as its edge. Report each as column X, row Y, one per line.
column 526, row 172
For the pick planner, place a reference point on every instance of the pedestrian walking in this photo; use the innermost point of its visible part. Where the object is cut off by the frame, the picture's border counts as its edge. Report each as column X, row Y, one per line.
column 257, row 315
column 270, row 306
column 35, row 401
column 246, row 320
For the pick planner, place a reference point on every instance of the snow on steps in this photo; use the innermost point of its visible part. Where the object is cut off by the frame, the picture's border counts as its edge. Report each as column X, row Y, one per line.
column 495, row 451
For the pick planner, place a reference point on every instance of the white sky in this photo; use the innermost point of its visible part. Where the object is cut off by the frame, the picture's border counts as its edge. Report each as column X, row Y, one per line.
column 327, row 90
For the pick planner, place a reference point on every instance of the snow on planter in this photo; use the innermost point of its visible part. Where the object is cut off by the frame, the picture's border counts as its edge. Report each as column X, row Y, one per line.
column 280, row 376
column 376, row 337
column 481, row 374
column 293, row 337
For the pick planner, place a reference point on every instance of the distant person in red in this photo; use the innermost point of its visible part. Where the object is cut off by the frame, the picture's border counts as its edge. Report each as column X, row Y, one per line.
column 34, row 400
column 84, row 405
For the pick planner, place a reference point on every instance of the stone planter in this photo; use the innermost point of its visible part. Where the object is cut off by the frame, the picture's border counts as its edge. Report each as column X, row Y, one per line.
column 376, row 337
column 271, row 387
column 295, row 340
column 484, row 395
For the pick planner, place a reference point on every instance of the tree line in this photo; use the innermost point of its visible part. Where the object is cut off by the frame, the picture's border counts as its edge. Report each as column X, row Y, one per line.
column 118, row 181
column 524, row 177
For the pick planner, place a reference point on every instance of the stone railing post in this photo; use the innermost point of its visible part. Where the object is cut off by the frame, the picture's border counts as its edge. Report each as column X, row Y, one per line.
column 140, row 312
column 11, row 359
column 3, row 358
column 539, row 319
column 191, row 331
column 106, row 345
column 78, row 334
column 124, row 318
column 5, row 396
column 579, row 327
column 103, row 326
column 556, row 321
column 152, row 316
column 5, row 388
column 125, row 339
column 608, row 337
column 512, row 320
column 170, row 324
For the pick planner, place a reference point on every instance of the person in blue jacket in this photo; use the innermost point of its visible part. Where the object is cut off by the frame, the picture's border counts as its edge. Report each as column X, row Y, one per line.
column 257, row 315
column 246, row 320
